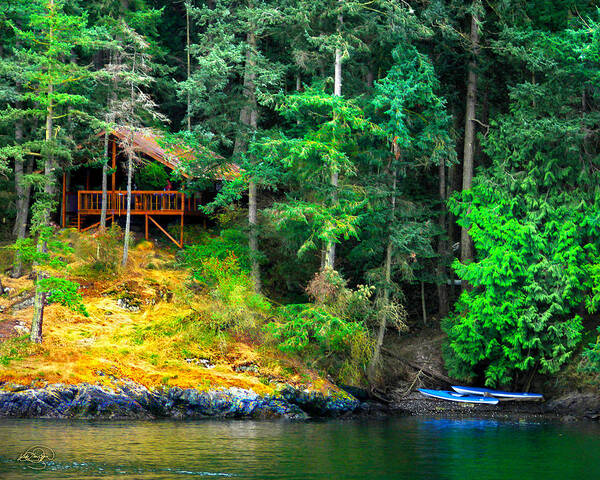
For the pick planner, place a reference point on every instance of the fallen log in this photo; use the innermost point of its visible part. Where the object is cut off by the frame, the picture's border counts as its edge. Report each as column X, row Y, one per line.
column 416, row 366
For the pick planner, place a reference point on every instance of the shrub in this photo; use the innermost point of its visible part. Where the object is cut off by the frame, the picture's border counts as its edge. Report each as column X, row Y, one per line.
column 219, row 247
column 51, row 268
column 236, row 305
column 326, row 286
column 306, row 324
column 591, row 357
column 151, row 176
column 101, row 251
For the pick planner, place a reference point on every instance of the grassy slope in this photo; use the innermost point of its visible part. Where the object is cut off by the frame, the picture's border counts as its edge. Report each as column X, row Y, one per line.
column 151, row 346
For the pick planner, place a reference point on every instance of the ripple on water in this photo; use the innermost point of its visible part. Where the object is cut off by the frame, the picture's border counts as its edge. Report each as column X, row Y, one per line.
column 388, row 449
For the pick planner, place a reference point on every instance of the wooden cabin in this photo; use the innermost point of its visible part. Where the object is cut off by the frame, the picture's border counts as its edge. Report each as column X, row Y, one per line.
column 82, row 188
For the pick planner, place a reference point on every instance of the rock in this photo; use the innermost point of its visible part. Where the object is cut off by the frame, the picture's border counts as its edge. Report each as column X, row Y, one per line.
column 357, row 392
column 127, row 399
column 24, row 301
column 332, row 404
column 568, row 419
column 21, row 328
column 128, row 304
column 575, row 403
column 204, row 362
column 247, row 368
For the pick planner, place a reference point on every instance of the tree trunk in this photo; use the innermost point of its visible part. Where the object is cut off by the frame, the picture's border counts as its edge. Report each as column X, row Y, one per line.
column 423, row 304
column 249, row 119
column 442, row 288
column 189, row 67
column 374, row 362
column 23, row 193
column 253, row 236
column 466, row 252
column 128, row 215
column 104, row 183
column 129, row 177
column 370, row 77
column 39, row 296
column 337, row 91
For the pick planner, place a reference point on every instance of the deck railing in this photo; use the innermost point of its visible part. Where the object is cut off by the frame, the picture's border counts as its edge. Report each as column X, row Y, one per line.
column 142, row 202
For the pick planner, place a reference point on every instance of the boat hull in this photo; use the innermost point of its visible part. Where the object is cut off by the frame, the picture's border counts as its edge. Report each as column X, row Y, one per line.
column 457, row 397
column 499, row 394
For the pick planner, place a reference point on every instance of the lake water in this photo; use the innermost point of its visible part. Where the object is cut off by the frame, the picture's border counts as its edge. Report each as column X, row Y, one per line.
column 397, row 448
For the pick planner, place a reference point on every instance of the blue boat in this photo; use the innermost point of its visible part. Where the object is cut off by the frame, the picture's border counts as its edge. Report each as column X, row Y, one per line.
column 487, row 392
column 457, row 397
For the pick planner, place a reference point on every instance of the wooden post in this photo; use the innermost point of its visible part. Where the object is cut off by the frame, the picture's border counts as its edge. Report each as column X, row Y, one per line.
column 114, row 165
column 64, row 201
column 146, row 226
column 181, row 233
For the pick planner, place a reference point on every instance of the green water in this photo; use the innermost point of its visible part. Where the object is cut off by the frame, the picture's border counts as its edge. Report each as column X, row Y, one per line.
column 401, row 448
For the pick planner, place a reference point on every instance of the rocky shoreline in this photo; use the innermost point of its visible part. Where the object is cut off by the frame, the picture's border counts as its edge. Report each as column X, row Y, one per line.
column 569, row 407
column 129, row 400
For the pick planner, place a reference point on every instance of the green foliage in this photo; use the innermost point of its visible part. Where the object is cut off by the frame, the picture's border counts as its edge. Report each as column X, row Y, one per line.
column 238, row 307
column 328, row 144
column 152, row 176
column 532, row 217
column 64, row 292
column 416, row 113
column 591, row 357
column 219, row 247
column 14, row 349
column 334, row 330
column 51, row 266
column 303, row 325
column 99, row 251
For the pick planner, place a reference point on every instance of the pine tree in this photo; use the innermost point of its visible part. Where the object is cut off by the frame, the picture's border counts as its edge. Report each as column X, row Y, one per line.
column 417, row 126
column 47, row 41
column 531, row 214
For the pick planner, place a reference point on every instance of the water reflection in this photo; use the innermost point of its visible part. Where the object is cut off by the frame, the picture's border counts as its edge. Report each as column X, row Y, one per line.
column 411, row 448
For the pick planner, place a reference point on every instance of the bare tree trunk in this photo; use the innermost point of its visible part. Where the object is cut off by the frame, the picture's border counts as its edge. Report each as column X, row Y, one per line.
column 23, row 192
column 128, row 215
column 253, row 237
column 189, row 67
column 337, row 91
column 373, row 363
column 466, row 253
column 249, row 118
column 442, row 288
column 129, row 176
column 370, row 77
column 423, row 304
column 104, row 183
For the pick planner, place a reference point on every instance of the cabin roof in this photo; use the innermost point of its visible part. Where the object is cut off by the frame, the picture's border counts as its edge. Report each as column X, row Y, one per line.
column 149, row 143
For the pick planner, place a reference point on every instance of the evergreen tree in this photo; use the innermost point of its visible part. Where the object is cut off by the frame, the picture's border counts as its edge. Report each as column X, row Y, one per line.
column 530, row 215
column 47, row 40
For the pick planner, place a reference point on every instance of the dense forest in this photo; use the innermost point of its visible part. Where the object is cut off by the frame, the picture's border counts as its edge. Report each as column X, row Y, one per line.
column 400, row 166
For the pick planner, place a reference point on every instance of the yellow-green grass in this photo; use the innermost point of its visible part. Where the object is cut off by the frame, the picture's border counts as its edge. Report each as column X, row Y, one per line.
column 157, row 346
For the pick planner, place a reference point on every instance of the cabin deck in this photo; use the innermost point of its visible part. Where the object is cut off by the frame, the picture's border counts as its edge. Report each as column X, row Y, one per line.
column 148, row 203
column 89, row 202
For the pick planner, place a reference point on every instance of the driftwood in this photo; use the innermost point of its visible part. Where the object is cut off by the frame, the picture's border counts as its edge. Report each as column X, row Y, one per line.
column 380, row 396
column 425, row 370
